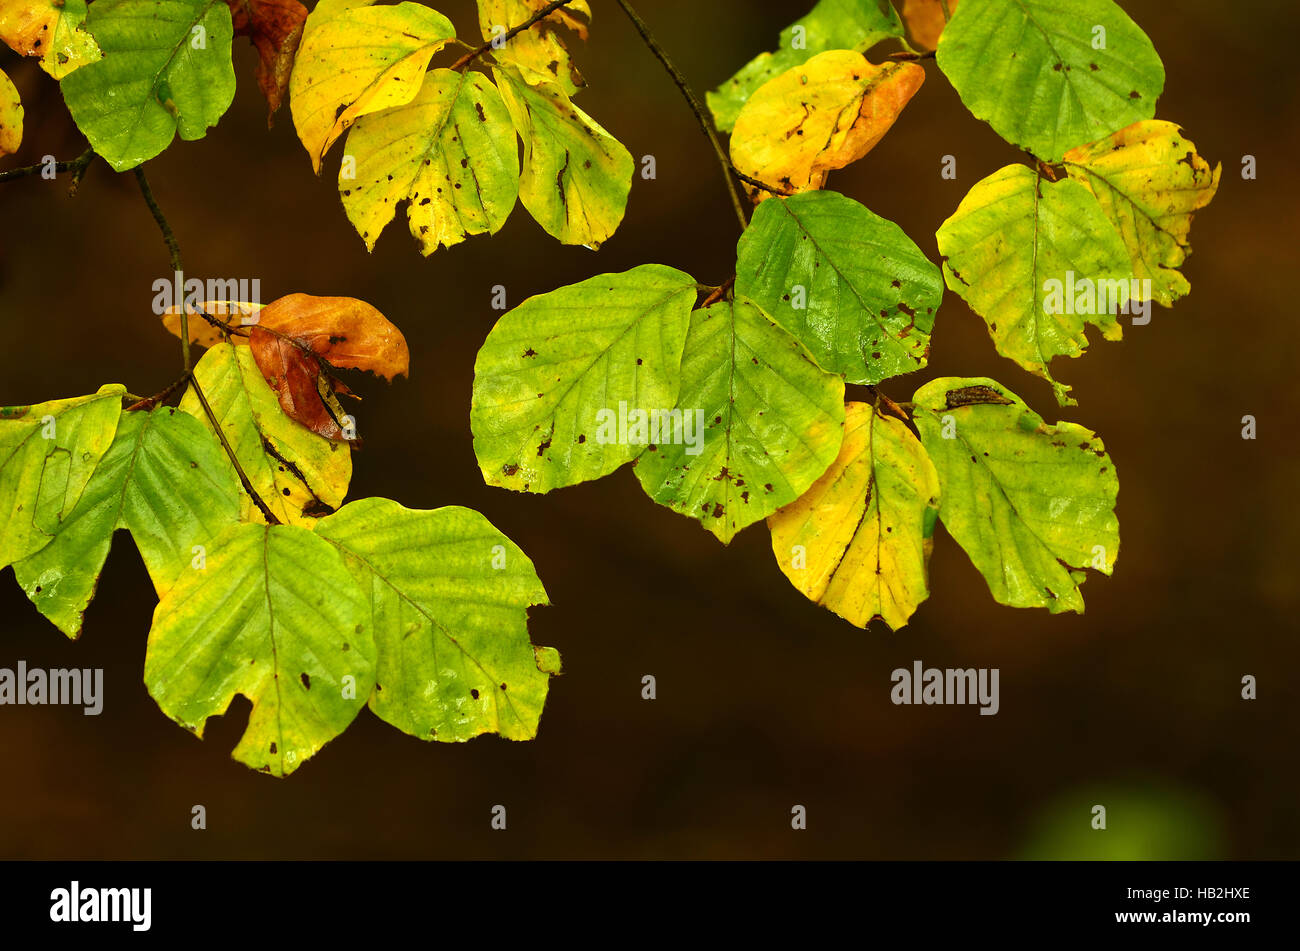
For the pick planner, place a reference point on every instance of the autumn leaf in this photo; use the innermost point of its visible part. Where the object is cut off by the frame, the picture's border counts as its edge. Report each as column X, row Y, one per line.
column 50, row 29
column 1032, row 505
column 154, row 82
column 48, row 453
column 298, row 381
column 1049, row 75
column 539, row 52
column 858, row 542
column 275, row 615
column 926, row 19
column 299, row 475
column 205, row 333
column 765, row 422
column 165, row 480
column 275, row 29
column 848, row 284
column 575, row 176
column 829, row 25
column 1016, row 237
column 355, row 59
column 819, row 116
column 11, row 117
column 1149, row 180
column 450, row 154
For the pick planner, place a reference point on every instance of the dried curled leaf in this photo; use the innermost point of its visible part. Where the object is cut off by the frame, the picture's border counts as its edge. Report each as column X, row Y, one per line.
column 819, row 116
column 275, row 29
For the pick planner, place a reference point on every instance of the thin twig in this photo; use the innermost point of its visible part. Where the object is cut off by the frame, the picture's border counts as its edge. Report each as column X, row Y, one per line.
column 717, row 293
column 174, row 251
column 149, row 402
column 910, row 56
column 748, row 180
column 509, row 34
column 723, row 160
column 880, row 398
column 77, row 166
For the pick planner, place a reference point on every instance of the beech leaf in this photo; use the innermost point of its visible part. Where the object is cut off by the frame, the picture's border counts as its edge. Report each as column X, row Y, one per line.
column 11, row 117
column 275, row 29
column 1149, row 180
column 450, row 154
column 772, row 422
column 298, row 474
column 819, row 116
column 830, row 25
column 50, row 29
column 166, row 70
column 449, row 598
column 858, row 542
column 355, row 59
column 1031, row 504
column 539, row 53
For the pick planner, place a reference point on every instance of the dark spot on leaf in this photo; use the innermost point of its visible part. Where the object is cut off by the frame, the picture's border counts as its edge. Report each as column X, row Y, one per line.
column 306, row 680
column 474, row 694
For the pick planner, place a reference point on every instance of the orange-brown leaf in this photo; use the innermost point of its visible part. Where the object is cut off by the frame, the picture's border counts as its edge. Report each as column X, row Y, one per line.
column 296, row 377
column 343, row 331
column 925, row 20
column 275, row 29
column 819, row 116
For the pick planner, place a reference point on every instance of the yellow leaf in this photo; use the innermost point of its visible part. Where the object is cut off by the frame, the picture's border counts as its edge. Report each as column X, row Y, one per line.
column 356, row 59
column 11, row 117
column 50, row 29
column 858, row 542
column 299, row 475
column 1149, row 180
column 818, row 116
column 926, row 19
column 538, row 52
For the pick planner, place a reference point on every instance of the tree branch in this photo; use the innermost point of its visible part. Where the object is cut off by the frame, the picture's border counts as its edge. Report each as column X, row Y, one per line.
column 76, row 166
column 174, row 253
column 701, row 116
column 509, row 34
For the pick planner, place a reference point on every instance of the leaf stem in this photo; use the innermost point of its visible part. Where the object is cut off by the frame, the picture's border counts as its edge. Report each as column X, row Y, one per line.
column 701, row 116
column 239, row 470
column 509, row 34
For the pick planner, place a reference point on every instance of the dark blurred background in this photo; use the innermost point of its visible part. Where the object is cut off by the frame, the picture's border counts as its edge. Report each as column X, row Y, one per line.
column 764, row 699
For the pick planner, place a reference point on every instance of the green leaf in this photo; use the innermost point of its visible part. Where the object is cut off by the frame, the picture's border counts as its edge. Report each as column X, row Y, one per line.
column 48, row 453
column 166, row 69
column 299, row 474
column 1031, row 504
column 449, row 596
column 450, row 153
column 356, row 59
column 858, row 542
column 1149, row 180
column 576, row 176
column 1048, row 75
column 771, row 422
column 830, row 25
column 276, row 616
column 1018, row 248
column 851, row 286
column 558, row 364
column 167, row 481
